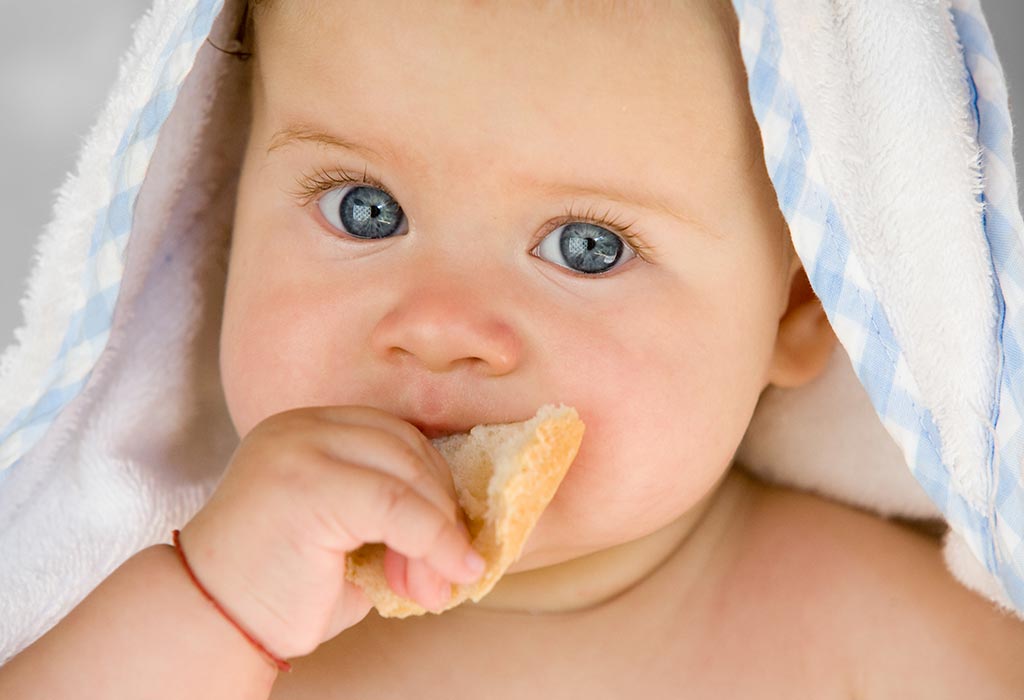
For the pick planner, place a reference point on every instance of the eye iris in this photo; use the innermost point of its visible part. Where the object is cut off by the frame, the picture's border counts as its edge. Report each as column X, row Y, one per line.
column 367, row 212
column 589, row 248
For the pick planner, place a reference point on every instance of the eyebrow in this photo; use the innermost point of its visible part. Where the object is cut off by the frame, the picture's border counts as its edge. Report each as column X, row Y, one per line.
column 303, row 134
column 638, row 198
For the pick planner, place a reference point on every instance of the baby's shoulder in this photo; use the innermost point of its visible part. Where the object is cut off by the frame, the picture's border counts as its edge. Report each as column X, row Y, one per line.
column 899, row 621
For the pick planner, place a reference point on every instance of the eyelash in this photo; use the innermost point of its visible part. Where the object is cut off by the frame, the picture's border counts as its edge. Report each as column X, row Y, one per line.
column 320, row 181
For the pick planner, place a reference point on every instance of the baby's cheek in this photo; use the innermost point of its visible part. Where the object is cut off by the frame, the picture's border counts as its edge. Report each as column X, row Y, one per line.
column 652, row 445
column 276, row 355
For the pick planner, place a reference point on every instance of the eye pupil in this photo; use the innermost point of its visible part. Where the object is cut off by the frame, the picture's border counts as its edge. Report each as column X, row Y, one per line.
column 368, row 212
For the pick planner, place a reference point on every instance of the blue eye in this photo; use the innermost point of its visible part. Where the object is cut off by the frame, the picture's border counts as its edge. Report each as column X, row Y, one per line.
column 362, row 212
column 585, row 247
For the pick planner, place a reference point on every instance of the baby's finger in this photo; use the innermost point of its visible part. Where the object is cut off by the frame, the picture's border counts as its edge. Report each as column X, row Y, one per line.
column 374, row 422
column 375, row 449
column 373, row 507
column 352, row 607
column 370, row 417
column 395, row 568
column 426, row 586
column 444, row 473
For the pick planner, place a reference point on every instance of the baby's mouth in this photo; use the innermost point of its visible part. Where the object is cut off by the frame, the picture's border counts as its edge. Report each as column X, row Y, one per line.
column 432, row 432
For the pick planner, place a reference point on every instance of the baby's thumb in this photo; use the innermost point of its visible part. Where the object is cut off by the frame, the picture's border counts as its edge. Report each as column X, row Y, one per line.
column 351, row 608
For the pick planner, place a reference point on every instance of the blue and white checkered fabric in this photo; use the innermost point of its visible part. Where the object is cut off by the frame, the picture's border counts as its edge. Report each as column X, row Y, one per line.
column 1004, row 229
column 89, row 326
column 994, row 530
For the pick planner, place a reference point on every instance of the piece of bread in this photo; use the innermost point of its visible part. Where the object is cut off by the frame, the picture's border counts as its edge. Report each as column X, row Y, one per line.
column 505, row 475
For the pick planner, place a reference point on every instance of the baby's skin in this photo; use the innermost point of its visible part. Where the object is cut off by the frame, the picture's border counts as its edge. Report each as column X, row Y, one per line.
column 451, row 214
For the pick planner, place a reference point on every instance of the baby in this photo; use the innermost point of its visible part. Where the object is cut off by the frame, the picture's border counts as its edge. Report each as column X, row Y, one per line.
column 452, row 213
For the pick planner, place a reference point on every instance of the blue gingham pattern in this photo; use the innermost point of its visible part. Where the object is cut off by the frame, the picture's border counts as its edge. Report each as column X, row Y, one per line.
column 89, row 325
column 993, row 528
column 1004, row 230
column 993, row 532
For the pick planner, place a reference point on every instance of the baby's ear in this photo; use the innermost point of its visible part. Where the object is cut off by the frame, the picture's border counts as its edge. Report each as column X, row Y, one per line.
column 805, row 341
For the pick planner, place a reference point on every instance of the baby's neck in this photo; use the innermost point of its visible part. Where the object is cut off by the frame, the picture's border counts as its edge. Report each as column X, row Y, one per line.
column 594, row 579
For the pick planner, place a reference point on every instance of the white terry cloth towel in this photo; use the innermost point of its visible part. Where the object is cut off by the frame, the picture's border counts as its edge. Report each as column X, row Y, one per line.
column 887, row 137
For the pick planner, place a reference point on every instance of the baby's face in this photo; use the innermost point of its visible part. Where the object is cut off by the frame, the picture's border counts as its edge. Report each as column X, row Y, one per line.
column 549, row 204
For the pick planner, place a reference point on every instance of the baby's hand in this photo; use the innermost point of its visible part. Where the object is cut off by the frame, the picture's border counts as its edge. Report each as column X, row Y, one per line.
column 305, row 487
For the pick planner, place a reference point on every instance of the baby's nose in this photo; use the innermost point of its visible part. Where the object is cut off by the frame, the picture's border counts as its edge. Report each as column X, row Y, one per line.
column 443, row 329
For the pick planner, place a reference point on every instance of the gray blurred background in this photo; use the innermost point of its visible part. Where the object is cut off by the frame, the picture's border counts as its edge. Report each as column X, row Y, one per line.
column 58, row 59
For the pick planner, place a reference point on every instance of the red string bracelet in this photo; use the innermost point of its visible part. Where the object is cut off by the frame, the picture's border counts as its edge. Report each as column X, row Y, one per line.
column 279, row 663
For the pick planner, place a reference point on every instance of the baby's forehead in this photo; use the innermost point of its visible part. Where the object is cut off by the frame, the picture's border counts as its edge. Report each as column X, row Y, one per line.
column 620, row 16
column 679, row 41
column 671, row 47
column 509, row 89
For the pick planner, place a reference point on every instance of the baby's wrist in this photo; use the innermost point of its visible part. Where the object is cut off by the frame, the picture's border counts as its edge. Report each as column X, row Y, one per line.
column 203, row 625
column 277, row 662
